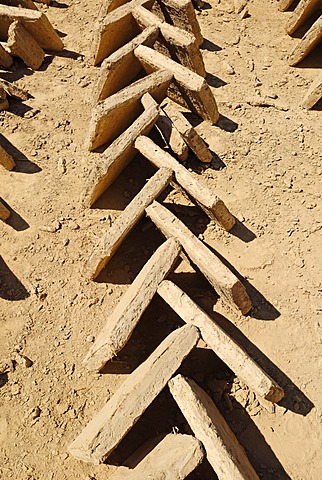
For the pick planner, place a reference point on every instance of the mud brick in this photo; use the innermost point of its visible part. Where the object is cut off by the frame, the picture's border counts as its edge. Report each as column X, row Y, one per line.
column 123, row 320
column 192, row 138
column 35, row 22
column 223, row 451
column 302, row 12
column 218, row 275
column 23, row 45
column 105, row 431
column 284, row 4
column 110, row 5
column 4, row 212
column 168, row 131
column 117, row 156
column 115, row 29
column 20, row 3
column 221, row 343
column 122, row 67
column 310, row 40
column 6, row 160
column 181, row 45
column 181, row 13
column 113, row 238
column 4, row 104
column 5, row 58
column 115, row 114
column 314, row 93
column 191, row 90
column 213, row 206
column 176, row 454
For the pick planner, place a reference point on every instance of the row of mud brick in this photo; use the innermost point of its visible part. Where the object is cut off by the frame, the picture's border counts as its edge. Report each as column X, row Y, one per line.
column 151, row 72
column 7, row 162
column 26, row 33
column 308, row 15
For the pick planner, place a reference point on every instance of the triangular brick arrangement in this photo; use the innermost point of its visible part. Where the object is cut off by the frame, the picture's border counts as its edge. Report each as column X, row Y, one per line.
column 27, row 33
column 303, row 12
column 150, row 67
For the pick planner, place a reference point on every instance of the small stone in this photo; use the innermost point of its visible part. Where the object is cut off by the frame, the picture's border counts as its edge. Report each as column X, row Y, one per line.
column 90, row 338
column 229, row 69
column 23, row 360
column 62, row 165
column 241, row 397
column 15, row 389
column 56, row 225
column 255, row 411
column 73, row 225
column 269, row 406
column 35, row 413
column 272, row 95
column 251, row 397
column 62, row 407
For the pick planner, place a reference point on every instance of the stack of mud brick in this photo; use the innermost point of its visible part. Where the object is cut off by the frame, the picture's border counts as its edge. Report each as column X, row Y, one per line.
column 309, row 11
column 151, row 67
column 25, row 32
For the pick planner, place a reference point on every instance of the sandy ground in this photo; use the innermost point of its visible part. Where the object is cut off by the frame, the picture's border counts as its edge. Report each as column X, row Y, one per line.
column 268, row 171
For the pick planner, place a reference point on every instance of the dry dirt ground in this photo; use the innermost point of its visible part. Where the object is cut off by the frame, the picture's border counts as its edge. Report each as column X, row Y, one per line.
column 268, row 171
